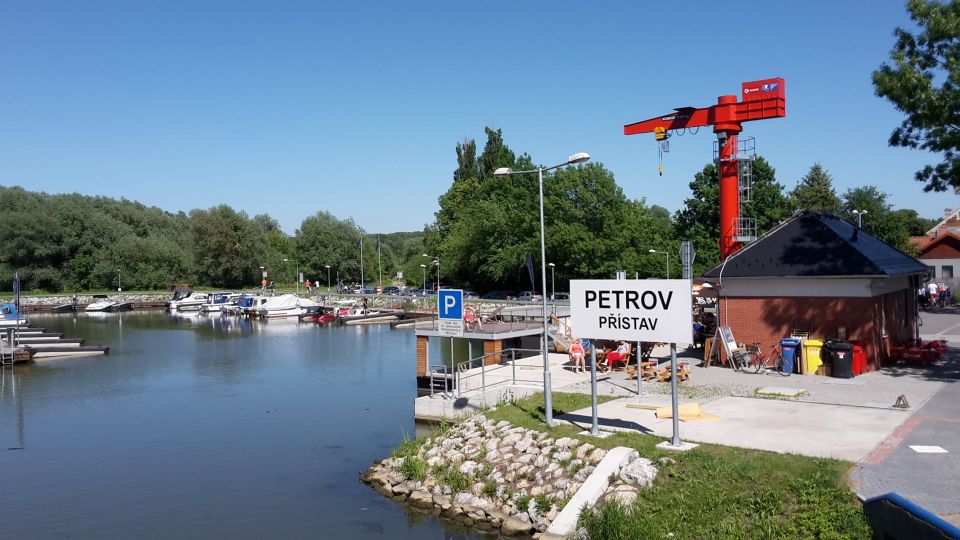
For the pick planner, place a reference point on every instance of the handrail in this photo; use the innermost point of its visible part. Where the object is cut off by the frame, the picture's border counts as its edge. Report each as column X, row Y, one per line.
column 437, row 369
column 463, row 369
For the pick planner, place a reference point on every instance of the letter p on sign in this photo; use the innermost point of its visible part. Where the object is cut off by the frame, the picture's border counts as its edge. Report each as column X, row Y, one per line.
column 450, row 304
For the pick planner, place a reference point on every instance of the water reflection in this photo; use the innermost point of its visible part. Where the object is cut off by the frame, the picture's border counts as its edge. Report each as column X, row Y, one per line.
column 207, row 427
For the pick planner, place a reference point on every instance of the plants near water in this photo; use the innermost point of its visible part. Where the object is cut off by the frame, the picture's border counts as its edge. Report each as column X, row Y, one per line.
column 543, row 502
column 414, row 468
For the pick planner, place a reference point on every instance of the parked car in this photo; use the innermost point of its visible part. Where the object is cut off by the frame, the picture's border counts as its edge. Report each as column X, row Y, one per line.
column 560, row 296
column 470, row 295
column 499, row 295
column 425, row 292
column 391, row 290
column 529, row 296
column 364, row 290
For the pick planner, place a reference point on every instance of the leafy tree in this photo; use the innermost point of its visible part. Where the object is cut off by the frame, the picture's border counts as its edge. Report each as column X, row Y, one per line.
column 323, row 239
column 815, row 192
column 922, row 80
column 227, row 247
column 880, row 220
column 916, row 225
column 467, row 166
column 496, row 154
column 699, row 220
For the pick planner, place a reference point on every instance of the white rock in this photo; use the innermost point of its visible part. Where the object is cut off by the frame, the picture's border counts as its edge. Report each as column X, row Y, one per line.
column 583, row 473
column 541, row 461
column 492, row 455
column 596, row 455
column 469, row 467
column 629, row 457
column 523, row 444
column 639, row 472
column 565, row 442
column 463, row 498
column 624, row 494
column 584, row 449
column 563, row 455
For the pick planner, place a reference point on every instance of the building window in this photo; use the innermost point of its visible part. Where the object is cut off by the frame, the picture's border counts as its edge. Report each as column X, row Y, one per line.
column 933, row 271
column 946, row 272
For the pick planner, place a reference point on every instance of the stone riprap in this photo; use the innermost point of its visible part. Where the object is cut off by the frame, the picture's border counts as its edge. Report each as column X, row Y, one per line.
column 492, row 476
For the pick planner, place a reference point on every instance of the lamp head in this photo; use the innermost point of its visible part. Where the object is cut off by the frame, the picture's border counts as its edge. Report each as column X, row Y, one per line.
column 579, row 157
column 423, row 266
column 327, row 266
column 551, row 265
column 652, row 251
column 502, row 171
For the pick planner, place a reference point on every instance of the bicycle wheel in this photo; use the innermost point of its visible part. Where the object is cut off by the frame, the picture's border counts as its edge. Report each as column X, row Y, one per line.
column 759, row 363
column 780, row 370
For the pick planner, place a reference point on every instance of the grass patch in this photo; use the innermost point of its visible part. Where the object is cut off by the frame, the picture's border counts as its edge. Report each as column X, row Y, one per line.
column 523, row 502
column 543, row 502
column 408, row 447
column 454, row 479
column 714, row 491
column 414, row 468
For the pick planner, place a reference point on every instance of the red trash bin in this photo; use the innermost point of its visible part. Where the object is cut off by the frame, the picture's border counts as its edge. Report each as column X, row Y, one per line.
column 859, row 357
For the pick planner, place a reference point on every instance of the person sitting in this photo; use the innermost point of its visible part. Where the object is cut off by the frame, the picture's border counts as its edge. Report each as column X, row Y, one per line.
column 616, row 355
column 471, row 321
column 577, row 356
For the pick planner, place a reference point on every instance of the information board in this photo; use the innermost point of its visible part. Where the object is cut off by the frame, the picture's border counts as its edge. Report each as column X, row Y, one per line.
column 658, row 310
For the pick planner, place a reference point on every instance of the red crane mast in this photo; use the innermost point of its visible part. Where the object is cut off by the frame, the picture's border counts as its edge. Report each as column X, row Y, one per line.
column 761, row 100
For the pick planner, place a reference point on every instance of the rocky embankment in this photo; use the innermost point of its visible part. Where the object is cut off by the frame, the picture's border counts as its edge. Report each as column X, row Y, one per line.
column 491, row 476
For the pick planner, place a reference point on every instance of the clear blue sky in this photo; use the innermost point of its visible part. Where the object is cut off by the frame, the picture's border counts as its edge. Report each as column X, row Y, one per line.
column 291, row 107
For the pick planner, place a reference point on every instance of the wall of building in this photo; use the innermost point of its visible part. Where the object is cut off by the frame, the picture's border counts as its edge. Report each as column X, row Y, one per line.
column 938, row 272
column 878, row 321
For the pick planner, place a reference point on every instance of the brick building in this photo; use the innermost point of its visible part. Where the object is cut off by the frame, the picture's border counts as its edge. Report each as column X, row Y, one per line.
column 818, row 274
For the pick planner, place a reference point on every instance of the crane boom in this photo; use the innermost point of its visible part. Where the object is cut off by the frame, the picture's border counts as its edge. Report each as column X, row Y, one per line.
column 762, row 99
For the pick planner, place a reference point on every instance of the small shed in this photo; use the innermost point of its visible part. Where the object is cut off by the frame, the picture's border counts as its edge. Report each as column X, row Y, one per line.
column 820, row 275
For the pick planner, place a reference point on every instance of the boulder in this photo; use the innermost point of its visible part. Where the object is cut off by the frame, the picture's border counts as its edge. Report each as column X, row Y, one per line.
column 596, row 455
column 469, row 467
column 639, row 472
column 514, row 526
column 563, row 455
column 584, row 449
column 523, row 444
column 630, row 456
column 565, row 442
column 623, row 494
column 421, row 499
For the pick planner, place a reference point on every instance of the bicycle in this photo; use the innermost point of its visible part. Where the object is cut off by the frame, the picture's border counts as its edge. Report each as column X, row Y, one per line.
column 759, row 362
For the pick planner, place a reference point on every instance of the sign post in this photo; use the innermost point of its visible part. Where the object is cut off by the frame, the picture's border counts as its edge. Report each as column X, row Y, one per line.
column 657, row 310
column 450, row 312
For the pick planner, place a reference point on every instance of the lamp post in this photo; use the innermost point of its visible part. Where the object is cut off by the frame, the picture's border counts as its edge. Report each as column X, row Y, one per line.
column 506, row 171
column 436, row 260
column 667, row 253
column 119, row 288
column 297, row 275
column 327, row 266
column 263, row 280
column 424, row 267
column 859, row 214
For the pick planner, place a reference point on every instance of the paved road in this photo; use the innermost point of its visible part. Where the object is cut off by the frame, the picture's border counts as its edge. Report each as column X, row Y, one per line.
column 931, row 480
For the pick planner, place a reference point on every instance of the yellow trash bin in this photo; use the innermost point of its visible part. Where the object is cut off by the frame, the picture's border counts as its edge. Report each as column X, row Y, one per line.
column 811, row 350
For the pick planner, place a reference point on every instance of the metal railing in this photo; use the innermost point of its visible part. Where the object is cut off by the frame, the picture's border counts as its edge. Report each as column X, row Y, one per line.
column 442, row 373
column 506, row 360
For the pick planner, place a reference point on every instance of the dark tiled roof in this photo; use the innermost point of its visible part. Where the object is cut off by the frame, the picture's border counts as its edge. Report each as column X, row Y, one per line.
column 814, row 244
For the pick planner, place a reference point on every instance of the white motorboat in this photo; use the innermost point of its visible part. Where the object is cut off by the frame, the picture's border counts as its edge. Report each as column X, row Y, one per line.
column 192, row 302
column 286, row 305
column 218, row 301
column 101, row 303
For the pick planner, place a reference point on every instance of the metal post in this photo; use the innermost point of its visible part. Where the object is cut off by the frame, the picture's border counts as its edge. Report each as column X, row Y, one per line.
column 595, row 426
column 513, row 364
column 674, row 399
column 547, row 397
column 636, row 355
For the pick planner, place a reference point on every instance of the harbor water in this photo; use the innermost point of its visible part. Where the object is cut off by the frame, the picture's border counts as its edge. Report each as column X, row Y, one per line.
column 207, row 427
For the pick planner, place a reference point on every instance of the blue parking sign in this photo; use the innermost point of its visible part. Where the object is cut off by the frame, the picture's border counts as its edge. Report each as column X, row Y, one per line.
column 450, row 304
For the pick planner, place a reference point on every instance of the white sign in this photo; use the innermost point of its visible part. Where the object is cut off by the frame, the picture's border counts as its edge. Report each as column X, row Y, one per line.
column 451, row 328
column 634, row 310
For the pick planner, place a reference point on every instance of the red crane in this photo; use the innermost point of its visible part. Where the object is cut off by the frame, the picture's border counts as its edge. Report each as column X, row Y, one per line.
column 761, row 100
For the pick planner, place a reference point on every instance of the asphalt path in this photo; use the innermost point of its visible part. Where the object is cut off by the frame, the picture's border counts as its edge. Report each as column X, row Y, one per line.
column 921, row 459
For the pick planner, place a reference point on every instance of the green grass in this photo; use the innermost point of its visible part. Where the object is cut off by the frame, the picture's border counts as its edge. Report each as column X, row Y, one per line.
column 714, row 491
column 414, row 468
column 449, row 475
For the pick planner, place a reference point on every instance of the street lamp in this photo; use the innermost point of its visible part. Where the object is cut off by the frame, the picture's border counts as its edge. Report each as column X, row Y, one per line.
column 424, row 277
column 553, row 282
column 506, row 171
column 859, row 214
column 263, row 280
column 295, row 276
column 667, row 253
column 327, row 266
column 119, row 288
column 436, row 260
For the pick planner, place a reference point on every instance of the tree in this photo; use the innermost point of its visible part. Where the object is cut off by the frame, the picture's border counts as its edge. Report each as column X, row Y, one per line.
column 323, row 239
column 227, row 247
column 699, row 219
column 815, row 192
column 880, row 220
column 916, row 225
column 923, row 82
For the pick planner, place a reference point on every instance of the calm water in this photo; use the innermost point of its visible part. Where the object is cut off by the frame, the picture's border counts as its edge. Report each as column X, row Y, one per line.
column 206, row 428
